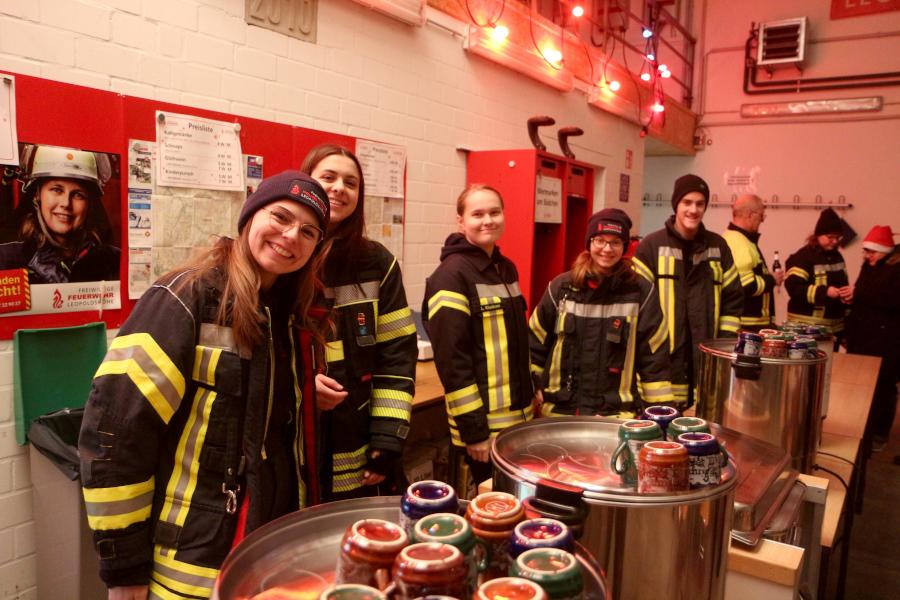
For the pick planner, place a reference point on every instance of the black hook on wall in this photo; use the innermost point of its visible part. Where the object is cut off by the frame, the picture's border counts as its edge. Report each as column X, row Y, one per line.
column 563, row 136
column 533, row 124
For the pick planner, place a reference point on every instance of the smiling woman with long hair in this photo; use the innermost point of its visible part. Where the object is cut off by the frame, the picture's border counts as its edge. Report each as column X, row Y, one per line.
column 200, row 424
column 366, row 392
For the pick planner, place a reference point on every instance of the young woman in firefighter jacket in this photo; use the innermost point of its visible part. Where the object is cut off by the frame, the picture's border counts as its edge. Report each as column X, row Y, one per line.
column 597, row 328
column 817, row 280
column 366, row 393
column 199, row 426
column 698, row 286
column 475, row 316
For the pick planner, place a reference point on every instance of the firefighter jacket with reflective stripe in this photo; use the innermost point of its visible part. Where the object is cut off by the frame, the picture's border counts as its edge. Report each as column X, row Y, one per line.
column 589, row 345
column 373, row 355
column 475, row 316
column 810, row 271
column 758, row 283
column 178, row 433
column 699, row 293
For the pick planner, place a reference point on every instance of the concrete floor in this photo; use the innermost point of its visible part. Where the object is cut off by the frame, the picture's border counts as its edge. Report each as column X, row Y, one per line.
column 873, row 571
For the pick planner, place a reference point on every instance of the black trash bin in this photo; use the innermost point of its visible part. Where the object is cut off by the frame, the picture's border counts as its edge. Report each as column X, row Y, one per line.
column 56, row 437
column 67, row 562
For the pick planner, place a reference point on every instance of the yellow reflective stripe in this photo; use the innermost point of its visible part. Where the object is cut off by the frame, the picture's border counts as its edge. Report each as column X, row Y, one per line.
column 334, row 351
column 501, row 420
column 628, row 368
column 346, row 482
column 149, row 368
column 119, row 492
column 747, row 278
column 497, row 351
column 763, row 320
column 536, row 369
column 390, row 403
column 536, row 327
column 716, row 267
column 393, row 325
column 180, row 577
column 811, row 294
column 728, row 323
column 463, row 400
column 656, row 391
column 183, row 480
column 349, row 460
column 206, row 359
column 447, row 299
column 667, row 297
column 548, row 409
column 554, row 380
column 120, row 521
column 730, row 275
column 797, row 272
column 760, row 285
column 119, row 506
column 642, row 269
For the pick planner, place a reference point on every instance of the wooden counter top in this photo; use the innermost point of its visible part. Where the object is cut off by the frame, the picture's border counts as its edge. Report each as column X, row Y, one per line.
column 428, row 386
column 853, row 379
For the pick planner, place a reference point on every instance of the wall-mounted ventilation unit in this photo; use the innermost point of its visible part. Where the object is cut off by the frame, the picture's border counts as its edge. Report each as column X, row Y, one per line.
column 781, row 43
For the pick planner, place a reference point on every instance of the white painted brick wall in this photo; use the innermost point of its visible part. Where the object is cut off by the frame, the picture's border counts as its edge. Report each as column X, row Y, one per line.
column 367, row 76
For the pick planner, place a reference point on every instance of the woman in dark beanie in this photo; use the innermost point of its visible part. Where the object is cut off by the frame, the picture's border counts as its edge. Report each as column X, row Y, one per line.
column 597, row 328
column 816, row 278
column 366, row 387
column 199, row 425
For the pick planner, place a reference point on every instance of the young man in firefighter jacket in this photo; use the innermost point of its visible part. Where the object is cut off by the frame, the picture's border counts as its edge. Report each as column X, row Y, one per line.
column 597, row 329
column 817, row 280
column 758, row 283
column 475, row 316
column 699, row 290
column 200, row 422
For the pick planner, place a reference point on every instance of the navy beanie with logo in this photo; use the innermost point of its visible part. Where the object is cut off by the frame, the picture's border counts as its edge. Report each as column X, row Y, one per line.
column 609, row 220
column 288, row 185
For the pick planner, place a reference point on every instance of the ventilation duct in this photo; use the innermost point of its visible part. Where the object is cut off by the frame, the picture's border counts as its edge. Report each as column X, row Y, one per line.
column 781, row 43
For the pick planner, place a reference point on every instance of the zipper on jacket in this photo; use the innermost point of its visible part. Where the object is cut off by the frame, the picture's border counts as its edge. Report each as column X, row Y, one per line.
column 299, row 454
column 271, row 386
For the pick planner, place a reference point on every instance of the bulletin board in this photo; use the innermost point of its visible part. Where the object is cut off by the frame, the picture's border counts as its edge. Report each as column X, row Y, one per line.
column 64, row 115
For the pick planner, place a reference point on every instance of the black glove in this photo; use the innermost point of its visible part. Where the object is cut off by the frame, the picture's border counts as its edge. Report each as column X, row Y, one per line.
column 385, row 463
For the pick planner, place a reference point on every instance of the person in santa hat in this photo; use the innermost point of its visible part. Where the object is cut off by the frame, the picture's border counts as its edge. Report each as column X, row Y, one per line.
column 873, row 326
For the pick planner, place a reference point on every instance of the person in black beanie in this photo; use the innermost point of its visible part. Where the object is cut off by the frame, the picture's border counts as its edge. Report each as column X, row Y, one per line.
column 596, row 329
column 200, row 426
column 816, row 278
column 699, row 289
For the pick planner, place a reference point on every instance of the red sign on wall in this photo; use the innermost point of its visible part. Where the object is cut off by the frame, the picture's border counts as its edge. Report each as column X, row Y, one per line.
column 15, row 295
column 841, row 9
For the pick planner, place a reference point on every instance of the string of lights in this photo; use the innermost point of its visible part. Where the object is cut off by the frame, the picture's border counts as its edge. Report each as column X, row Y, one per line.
column 651, row 71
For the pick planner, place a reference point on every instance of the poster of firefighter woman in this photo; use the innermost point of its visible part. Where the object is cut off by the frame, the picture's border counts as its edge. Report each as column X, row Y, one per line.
column 60, row 231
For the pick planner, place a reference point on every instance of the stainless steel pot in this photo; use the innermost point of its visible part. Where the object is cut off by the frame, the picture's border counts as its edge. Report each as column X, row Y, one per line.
column 300, row 551
column 783, row 406
column 672, row 546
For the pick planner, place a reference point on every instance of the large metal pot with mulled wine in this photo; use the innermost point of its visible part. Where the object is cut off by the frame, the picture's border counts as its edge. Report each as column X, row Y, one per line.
column 671, row 545
column 778, row 400
column 295, row 556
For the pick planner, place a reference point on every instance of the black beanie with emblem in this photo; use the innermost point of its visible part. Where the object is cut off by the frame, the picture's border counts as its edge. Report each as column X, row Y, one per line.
column 296, row 186
column 686, row 184
column 829, row 222
column 609, row 220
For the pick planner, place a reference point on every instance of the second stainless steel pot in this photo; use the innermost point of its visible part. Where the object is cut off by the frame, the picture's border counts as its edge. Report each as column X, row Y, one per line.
column 672, row 546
